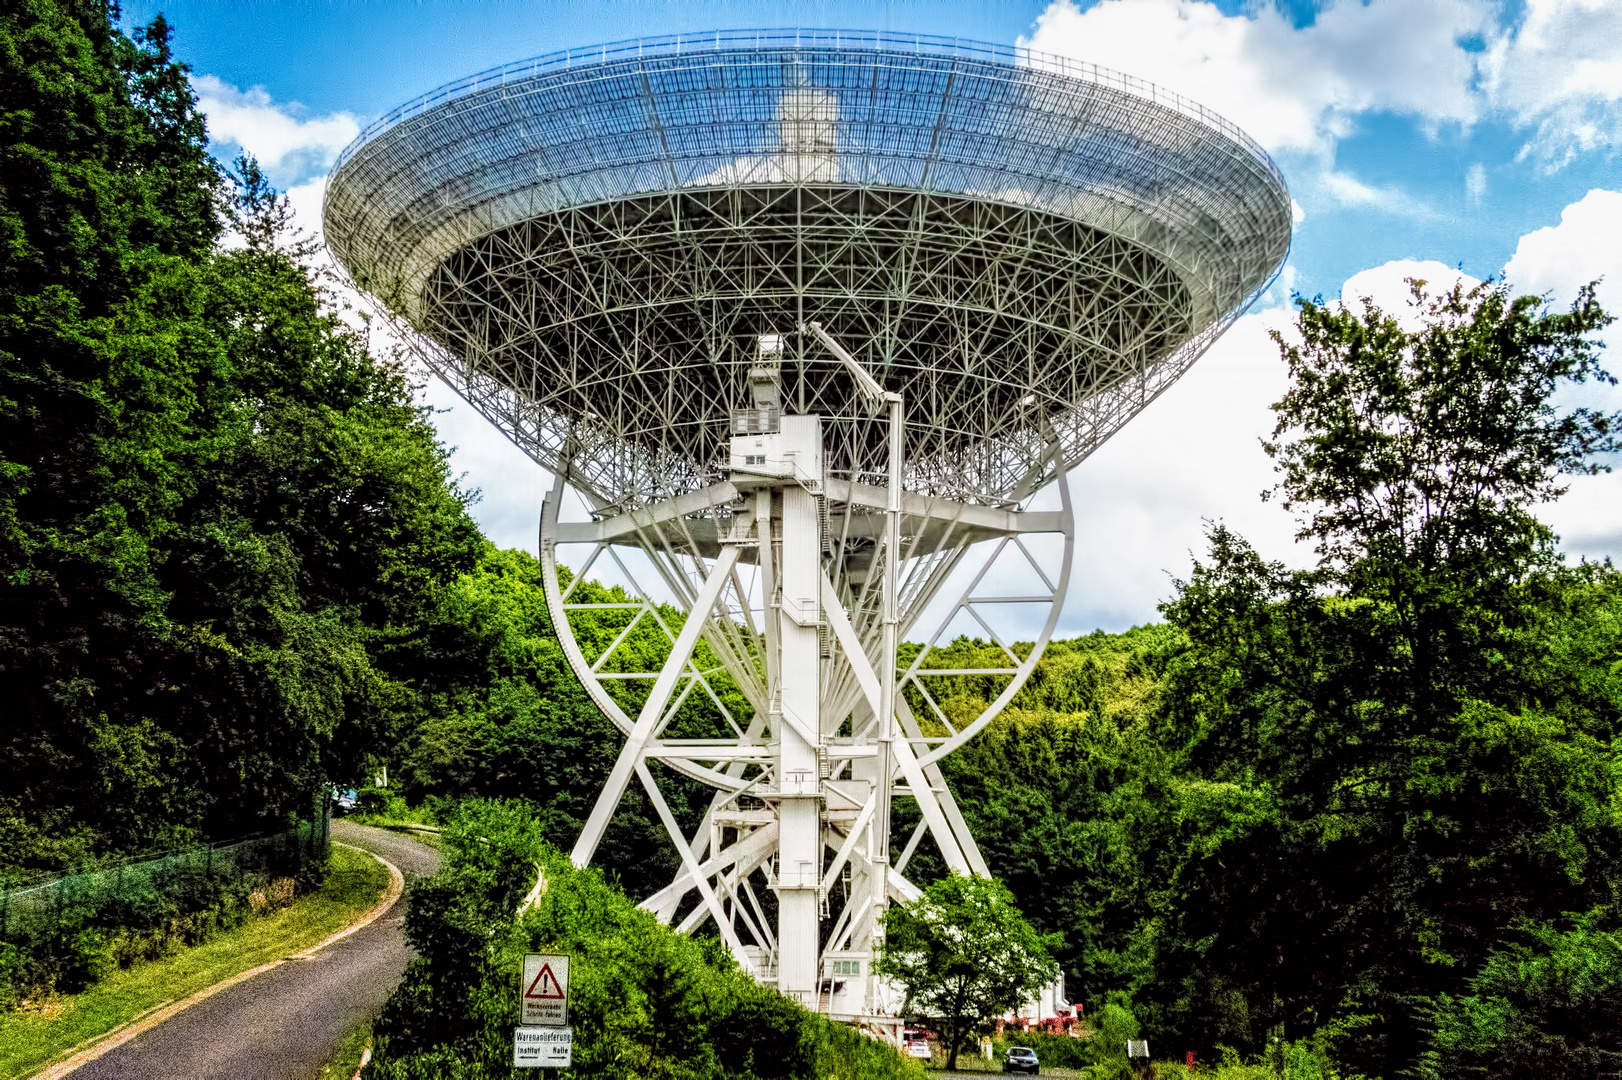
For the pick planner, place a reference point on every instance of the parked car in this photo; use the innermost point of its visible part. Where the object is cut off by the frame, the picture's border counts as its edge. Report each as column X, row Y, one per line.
column 1021, row 1059
column 343, row 801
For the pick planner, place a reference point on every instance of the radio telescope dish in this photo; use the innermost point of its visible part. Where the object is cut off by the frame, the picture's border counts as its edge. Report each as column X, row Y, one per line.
column 807, row 318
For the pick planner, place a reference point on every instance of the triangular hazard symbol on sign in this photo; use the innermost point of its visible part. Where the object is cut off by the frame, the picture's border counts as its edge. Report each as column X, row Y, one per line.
column 545, row 986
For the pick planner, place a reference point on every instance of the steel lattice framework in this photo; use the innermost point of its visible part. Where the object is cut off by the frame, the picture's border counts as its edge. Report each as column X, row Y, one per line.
column 984, row 224
column 807, row 319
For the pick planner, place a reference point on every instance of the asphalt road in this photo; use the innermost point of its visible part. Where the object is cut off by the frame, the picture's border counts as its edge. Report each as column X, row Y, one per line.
column 287, row 1023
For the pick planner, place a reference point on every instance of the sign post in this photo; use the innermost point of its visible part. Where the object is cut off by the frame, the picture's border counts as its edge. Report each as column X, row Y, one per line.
column 544, row 1041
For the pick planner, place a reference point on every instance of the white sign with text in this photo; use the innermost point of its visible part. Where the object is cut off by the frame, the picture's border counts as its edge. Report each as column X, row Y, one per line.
column 542, row 1047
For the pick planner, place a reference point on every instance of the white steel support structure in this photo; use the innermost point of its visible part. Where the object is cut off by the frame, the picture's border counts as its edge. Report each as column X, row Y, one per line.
column 837, row 575
column 815, row 324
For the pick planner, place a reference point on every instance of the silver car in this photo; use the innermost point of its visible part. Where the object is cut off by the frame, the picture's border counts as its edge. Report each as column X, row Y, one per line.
column 1021, row 1059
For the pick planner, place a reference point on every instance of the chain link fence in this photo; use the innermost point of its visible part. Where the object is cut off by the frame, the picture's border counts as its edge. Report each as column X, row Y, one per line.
column 63, row 934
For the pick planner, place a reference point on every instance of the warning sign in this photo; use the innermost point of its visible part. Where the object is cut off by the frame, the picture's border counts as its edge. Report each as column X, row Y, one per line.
column 542, row 1048
column 543, row 992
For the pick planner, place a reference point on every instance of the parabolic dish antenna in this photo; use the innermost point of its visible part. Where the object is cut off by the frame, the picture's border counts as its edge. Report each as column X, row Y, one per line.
column 807, row 318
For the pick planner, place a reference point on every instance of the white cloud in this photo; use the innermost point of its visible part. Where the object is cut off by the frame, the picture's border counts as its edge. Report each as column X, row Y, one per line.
column 1475, row 183
column 306, row 199
column 1560, row 70
column 1347, row 190
column 1288, row 88
column 1143, row 499
column 1388, row 288
column 1555, row 262
column 277, row 134
column 511, row 485
column 1587, row 244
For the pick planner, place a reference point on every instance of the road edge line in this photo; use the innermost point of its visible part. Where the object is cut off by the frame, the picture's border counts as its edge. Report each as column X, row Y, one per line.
column 134, row 1028
column 390, row 895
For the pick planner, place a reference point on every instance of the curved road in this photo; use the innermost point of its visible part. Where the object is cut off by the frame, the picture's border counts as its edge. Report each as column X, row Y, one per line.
column 287, row 1023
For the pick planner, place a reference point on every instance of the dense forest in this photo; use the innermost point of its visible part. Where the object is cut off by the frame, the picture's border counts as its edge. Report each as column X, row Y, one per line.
column 223, row 522
column 1373, row 805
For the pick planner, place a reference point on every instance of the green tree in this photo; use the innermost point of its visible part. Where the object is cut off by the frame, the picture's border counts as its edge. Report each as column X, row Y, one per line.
column 220, row 516
column 105, row 187
column 965, row 955
column 1549, row 1007
column 1389, row 764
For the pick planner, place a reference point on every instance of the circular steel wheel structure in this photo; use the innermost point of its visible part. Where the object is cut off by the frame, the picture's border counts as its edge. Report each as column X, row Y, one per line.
column 809, row 320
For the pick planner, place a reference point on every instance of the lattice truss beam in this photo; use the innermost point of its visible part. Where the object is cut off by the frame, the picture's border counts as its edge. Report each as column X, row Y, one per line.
column 624, row 326
column 589, row 244
column 698, row 586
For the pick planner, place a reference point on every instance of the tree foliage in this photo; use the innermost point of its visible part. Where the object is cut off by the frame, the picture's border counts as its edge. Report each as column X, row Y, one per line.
column 1415, row 455
column 645, row 1002
column 964, row 954
column 1416, row 737
column 1551, row 1006
column 217, row 511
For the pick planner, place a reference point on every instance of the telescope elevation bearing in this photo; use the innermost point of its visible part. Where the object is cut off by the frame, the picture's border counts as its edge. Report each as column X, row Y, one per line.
column 814, row 323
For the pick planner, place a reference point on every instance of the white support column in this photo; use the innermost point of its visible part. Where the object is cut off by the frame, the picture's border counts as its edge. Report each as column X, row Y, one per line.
column 799, row 853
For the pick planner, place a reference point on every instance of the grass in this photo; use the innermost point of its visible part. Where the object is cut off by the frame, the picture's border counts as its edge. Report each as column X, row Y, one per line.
column 31, row 1039
column 347, row 1058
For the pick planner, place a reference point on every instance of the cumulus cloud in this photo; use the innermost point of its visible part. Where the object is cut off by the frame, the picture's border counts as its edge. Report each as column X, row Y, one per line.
column 278, row 134
column 1555, row 261
column 1144, row 498
column 1387, row 287
column 1289, row 88
column 1585, row 246
column 1560, row 72
column 1557, row 72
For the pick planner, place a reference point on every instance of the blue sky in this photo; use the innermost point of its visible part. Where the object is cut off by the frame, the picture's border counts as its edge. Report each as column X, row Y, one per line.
column 1417, row 136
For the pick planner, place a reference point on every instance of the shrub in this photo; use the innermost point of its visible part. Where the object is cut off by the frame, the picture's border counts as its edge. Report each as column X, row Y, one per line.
column 65, row 935
column 1552, row 1007
column 644, row 1000
column 1054, row 1051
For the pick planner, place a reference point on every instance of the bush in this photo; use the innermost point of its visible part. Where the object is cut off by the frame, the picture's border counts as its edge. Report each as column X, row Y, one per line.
column 644, row 1000
column 1105, row 1050
column 1055, row 1051
column 1552, row 1007
column 63, row 936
